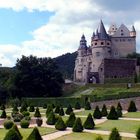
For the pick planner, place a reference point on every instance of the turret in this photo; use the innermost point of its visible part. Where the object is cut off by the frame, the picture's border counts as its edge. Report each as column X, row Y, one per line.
column 112, row 29
column 133, row 32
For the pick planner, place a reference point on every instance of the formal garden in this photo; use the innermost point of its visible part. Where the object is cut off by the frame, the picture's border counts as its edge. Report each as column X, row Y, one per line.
column 50, row 121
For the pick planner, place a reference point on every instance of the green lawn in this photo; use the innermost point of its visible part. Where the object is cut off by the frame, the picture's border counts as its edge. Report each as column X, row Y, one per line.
column 26, row 132
column 85, row 112
column 121, row 125
column 132, row 115
column 85, row 136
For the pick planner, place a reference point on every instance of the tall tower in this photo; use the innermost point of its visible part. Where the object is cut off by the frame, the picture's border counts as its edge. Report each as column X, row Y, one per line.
column 133, row 32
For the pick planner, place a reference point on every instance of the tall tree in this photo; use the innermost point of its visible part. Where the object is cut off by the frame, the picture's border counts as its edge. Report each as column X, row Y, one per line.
column 38, row 77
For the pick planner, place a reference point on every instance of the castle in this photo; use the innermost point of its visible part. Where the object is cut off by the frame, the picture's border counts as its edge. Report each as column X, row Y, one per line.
column 105, row 59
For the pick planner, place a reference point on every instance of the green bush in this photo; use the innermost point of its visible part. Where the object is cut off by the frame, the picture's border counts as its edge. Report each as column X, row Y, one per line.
column 25, row 113
column 49, row 109
column 112, row 114
column 119, row 106
column 37, row 113
column 89, row 123
column 69, row 110
column 138, row 134
column 57, row 109
column 23, row 108
column 24, row 124
column 70, row 121
column 119, row 112
column 51, row 119
column 61, row 112
column 8, row 124
column 99, row 138
column 114, row 135
column 2, row 107
column 77, row 127
column 15, row 109
column 104, row 110
column 45, row 106
column 132, row 107
column 35, row 135
column 87, row 106
column 39, row 122
column 17, row 117
column 31, row 108
column 77, row 105
column 16, row 129
column 12, row 135
column 60, row 125
column 97, row 113
column 3, row 114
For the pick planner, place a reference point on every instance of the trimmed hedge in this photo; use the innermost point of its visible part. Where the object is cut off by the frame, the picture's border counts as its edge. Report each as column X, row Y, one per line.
column 77, row 127
column 24, row 124
column 70, row 121
column 114, row 135
column 8, row 124
column 60, row 125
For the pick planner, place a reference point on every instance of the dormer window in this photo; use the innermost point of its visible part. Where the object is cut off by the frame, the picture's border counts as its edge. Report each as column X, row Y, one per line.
column 102, row 43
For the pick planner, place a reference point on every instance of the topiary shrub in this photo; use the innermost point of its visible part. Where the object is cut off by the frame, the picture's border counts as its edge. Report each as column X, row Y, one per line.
column 49, row 109
column 89, row 123
column 99, row 138
column 77, row 105
column 71, row 120
column 3, row 114
column 97, row 113
column 60, row 125
column 15, row 109
column 24, row 124
column 104, row 110
column 25, row 113
column 119, row 112
column 44, row 106
column 57, row 109
column 132, row 107
column 69, row 110
column 51, row 119
column 61, row 113
column 77, row 127
column 114, row 135
column 138, row 134
column 17, row 117
column 87, row 106
column 35, row 135
column 119, row 106
column 2, row 107
column 16, row 129
column 37, row 113
column 8, row 124
column 39, row 122
column 12, row 135
column 23, row 107
column 112, row 114
column 31, row 109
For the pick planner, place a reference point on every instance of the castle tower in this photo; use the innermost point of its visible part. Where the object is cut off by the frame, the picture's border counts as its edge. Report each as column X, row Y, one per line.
column 133, row 32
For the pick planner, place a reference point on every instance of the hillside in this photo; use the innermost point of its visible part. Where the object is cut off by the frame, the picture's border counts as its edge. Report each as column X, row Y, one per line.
column 66, row 64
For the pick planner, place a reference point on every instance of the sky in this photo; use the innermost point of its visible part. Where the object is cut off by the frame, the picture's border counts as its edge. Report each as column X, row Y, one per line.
column 49, row 28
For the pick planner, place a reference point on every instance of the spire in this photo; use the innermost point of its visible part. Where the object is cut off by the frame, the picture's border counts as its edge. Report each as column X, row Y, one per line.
column 83, row 42
column 102, row 32
column 133, row 29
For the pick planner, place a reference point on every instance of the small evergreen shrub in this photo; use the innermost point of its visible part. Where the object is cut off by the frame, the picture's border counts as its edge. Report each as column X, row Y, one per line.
column 3, row 115
column 69, row 110
column 44, row 106
column 51, row 119
column 89, row 123
column 17, row 117
column 112, row 114
column 87, row 106
column 39, row 122
column 60, row 125
column 77, row 127
column 61, row 112
column 97, row 113
column 132, row 107
column 35, row 135
column 138, row 134
column 119, row 106
column 37, row 113
column 119, row 112
column 49, row 109
column 8, row 124
column 114, row 135
column 99, row 138
column 15, row 109
column 31, row 109
column 25, row 113
column 104, row 110
column 71, row 120
column 23, row 108
column 17, row 130
column 77, row 105
column 2, row 107
column 24, row 124
column 12, row 135
column 57, row 109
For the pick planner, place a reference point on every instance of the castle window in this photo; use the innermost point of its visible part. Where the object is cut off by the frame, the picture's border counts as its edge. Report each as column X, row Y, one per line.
column 121, row 30
column 129, row 39
column 95, row 43
column 124, row 40
column 108, row 43
column 97, row 54
column 112, row 28
column 116, row 40
column 122, row 34
column 102, row 43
